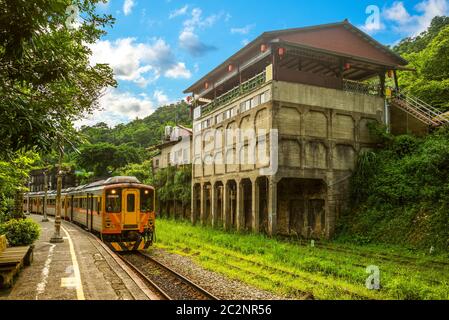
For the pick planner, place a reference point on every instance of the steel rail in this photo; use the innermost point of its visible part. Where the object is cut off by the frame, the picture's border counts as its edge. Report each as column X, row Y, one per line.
column 180, row 277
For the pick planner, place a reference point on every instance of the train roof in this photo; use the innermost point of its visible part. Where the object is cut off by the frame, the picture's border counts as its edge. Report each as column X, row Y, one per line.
column 95, row 186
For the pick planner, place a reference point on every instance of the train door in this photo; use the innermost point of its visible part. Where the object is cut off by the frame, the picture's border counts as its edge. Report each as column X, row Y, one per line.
column 88, row 201
column 130, row 214
column 71, row 208
column 91, row 207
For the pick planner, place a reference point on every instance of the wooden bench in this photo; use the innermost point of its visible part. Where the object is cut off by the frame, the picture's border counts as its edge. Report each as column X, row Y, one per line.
column 12, row 261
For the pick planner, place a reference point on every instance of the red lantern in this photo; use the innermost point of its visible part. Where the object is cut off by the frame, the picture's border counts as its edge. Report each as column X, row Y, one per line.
column 347, row 66
column 230, row 68
column 281, row 52
column 263, row 48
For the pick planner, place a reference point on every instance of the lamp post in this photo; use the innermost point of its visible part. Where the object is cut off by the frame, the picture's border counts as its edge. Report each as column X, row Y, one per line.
column 28, row 197
column 45, row 219
column 56, row 238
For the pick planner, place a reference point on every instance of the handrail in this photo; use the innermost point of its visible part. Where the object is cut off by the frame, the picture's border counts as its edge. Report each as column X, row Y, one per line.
column 235, row 92
column 420, row 108
column 360, row 87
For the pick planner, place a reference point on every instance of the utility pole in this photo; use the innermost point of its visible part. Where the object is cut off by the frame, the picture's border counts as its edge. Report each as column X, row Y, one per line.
column 56, row 238
column 45, row 219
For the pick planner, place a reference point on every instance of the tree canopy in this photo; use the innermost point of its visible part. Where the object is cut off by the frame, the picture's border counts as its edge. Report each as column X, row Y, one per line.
column 46, row 79
column 428, row 54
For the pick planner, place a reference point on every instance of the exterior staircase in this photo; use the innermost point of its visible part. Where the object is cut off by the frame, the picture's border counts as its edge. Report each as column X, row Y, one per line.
column 419, row 109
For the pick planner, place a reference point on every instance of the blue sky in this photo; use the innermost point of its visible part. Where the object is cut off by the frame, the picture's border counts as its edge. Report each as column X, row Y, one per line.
column 157, row 48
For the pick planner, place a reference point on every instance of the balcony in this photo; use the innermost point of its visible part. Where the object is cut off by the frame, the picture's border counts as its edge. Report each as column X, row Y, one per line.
column 364, row 88
column 246, row 87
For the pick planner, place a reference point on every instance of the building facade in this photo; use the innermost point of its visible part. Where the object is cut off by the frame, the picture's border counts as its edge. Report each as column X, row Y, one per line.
column 279, row 125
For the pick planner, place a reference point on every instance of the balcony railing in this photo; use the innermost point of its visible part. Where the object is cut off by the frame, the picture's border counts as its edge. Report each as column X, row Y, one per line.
column 362, row 88
column 236, row 92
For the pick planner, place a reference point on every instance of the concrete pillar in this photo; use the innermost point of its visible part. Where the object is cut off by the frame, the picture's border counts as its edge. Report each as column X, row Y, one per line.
column 193, row 205
column 226, row 207
column 240, row 207
column 203, row 204
column 272, row 206
column 213, row 208
column 255, row 205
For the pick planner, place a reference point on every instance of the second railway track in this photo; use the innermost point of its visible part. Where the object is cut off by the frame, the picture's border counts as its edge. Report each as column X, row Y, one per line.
column 169, row 284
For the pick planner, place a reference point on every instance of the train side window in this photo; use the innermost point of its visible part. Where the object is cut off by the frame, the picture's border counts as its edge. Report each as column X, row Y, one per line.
column 147, row 200
column 113, row 201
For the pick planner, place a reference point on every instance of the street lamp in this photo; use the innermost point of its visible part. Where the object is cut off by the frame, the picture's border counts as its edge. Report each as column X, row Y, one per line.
column 45, row 219
column 56, row 238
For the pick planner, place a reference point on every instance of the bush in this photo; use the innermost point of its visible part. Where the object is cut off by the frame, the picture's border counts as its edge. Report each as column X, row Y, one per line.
column 20, row 232
column 399, row 194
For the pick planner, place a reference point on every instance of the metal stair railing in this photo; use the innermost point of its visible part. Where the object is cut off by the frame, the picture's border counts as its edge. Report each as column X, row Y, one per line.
column 419, row 109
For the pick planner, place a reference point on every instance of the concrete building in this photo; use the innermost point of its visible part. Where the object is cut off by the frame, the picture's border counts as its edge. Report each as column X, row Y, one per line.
column 37, row 180
column 296, row 103
column 174, row 152
column 174, row 149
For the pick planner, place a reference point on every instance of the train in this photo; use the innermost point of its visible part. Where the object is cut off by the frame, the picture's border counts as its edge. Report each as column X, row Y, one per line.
column 120, row 210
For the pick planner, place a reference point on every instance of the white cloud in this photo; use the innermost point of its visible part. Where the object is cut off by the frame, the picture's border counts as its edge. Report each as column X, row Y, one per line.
column 141, row 63
column 412, row 25
column 161, row 98
column 244, row 30
column 189, row 39
column 179, row 12
column 119, row 107
column 178, row 71
column 128, row 6
column 397, row 13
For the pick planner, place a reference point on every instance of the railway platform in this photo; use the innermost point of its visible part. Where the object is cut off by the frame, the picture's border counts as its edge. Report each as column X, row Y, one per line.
column 80, row 268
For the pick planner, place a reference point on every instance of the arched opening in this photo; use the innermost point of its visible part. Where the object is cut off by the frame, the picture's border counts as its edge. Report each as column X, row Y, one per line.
column 247, row 201
column 219, row 190
column 231, row 213
column 301, row 207
column 207, row 201
column 262, row 184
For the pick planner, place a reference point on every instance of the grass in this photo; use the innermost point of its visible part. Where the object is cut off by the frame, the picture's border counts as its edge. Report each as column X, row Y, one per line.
column 296, row 270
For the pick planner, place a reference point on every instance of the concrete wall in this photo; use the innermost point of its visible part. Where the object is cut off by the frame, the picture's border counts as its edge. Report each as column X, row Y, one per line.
column 320, row 133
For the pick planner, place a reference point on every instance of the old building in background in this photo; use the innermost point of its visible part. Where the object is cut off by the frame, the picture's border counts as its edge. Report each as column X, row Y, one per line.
column 37, row 180
column 279, row 125
column 173, row 155
column 174, row 149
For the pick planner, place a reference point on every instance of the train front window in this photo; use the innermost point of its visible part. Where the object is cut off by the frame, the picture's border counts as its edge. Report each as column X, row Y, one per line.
column 147, row 200
column 113, row 201
column 131, row 203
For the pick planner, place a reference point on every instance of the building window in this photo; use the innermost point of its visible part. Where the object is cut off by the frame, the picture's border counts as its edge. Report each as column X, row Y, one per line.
column 207, row 123
column 197, row 127
column 255, row 101
column 245, row 106
column 219, row 118
column 156, row 163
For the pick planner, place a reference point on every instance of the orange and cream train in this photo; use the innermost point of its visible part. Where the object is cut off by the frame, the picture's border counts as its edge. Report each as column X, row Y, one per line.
column 120, row 210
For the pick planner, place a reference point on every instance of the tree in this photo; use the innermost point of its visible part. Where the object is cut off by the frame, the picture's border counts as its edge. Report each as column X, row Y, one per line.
column 13, row 178
column 428, row 54
column 104, row 159
column 46, row 80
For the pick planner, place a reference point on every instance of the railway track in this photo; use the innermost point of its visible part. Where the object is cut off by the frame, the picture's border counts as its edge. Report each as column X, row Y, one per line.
column 167, row 283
